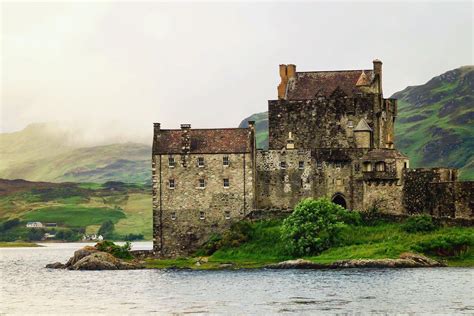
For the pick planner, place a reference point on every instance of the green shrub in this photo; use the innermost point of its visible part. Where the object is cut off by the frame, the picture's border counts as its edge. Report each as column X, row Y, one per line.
column 106, row 229
column 419, row 223
column 6, row 225
column 67, row 234
column 446, row 246
column 315, row 225
column 122, row 252
column 35, row 234
column 239, row 233
column 132, row 237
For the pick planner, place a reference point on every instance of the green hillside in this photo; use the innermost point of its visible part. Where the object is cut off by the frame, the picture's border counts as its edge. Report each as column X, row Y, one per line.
column 42, row 153
column 76, row 208
column 435, row 122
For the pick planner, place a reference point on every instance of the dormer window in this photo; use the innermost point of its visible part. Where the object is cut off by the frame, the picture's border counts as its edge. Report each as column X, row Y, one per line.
column 171, row 162
column 200, row 162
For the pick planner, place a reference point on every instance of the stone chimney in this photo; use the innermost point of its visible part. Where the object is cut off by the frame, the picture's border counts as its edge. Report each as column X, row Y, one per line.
column 287, row 72
column 291, row 71
column 185, row 138
column 156, row 128
column 378, row 72
column 251, row 125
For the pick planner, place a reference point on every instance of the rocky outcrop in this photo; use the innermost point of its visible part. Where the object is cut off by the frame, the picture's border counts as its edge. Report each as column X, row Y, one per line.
column 89, row 258
column 406, row 260
column 296, row 264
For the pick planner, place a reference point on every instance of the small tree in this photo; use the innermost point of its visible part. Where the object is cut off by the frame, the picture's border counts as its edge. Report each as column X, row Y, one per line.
column 315, row 225
column 106, row 229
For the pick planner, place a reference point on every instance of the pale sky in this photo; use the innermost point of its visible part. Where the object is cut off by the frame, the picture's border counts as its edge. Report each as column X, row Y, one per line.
column 117, row 67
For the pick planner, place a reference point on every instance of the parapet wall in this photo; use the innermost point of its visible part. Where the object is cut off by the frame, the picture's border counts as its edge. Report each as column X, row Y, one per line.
column 436, row 192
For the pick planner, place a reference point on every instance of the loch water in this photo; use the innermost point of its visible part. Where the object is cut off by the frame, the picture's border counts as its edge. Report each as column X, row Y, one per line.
column 26, row 287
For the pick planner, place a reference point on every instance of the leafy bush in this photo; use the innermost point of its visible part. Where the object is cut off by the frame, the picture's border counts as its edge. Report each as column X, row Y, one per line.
column 106, row 229
column 373, row 216
column 6, row 225
column 446, row 246
column 238, row 233
column 67, row 234
column 132, row 237
column 35, row 234
column 122, row 252
column 315, row 225
column 419, row 223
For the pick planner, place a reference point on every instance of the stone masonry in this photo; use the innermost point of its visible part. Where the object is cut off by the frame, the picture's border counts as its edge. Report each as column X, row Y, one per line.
column 331, row 134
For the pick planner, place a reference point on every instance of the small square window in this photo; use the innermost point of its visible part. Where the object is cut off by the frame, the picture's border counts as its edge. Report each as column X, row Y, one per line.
column 173, row 216
column 201, row 162
column 283, row 165
column 301, row 165
column 338, row 165
column 227, row 214
column 171, row 162
column 171, row 184
column 319, row 165
column 202, row 215
column 225, row 160
column 226, row 183
column 350, row 124
column 202, row 183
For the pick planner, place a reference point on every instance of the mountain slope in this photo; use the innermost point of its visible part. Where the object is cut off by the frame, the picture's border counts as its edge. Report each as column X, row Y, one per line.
column 435, row 122
column 41, row 153
column 434, row 125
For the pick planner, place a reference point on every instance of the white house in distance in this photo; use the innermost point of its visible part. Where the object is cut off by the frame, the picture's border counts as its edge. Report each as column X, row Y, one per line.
column 34, row 225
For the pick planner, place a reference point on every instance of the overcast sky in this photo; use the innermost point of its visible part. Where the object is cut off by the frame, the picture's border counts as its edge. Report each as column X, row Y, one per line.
column 118, row 67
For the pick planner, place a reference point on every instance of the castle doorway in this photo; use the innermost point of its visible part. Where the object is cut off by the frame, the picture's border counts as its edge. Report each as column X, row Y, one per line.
column 339, row 200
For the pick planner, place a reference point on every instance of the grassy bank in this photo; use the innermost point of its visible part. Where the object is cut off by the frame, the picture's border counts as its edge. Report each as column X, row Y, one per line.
column 76, row 208
column 264, row 245
column 15, row 244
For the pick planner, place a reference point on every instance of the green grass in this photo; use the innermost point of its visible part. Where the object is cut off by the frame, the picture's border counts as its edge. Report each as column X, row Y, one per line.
column 386, row 240
column 75, row 216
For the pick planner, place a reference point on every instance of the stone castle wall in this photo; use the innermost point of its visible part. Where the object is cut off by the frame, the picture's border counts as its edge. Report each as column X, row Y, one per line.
column 190, row 214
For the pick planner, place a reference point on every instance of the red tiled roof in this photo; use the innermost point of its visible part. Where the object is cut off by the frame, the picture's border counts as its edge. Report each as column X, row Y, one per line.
column 308, row 85
column 225, row 141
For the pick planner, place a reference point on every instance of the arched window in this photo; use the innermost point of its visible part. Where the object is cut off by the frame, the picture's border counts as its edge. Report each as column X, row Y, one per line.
column 380, row 166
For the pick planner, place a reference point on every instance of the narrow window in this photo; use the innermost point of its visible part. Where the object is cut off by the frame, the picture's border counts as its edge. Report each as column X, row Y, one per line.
column 226, row 183
column 171, row 183
column 283, row 165
column 225, row 160
column 319, row 165
column 301, row 165
column 301, row 183
column 227, row 214
column 380, row 166
column 357, row 167
column 405, row 165
column 200, row 162
column 202, row 183
column 201, row 215
column 171, row 162
column 173, row 216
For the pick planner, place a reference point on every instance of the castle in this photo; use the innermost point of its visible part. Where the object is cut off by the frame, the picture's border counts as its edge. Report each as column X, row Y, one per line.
column 331, row 134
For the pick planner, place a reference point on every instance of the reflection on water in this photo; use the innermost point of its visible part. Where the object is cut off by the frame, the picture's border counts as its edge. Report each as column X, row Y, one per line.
column 27, row 287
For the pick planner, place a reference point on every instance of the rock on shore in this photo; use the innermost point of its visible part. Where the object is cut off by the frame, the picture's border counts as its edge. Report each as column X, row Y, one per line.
column 89, row 258
column 406, row 260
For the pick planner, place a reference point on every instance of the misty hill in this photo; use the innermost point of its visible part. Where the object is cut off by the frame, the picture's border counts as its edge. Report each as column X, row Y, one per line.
column 435, row 122
column 41, row 152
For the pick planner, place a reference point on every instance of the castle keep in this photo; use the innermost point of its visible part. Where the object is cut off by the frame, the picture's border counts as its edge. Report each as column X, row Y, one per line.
column 331, row 134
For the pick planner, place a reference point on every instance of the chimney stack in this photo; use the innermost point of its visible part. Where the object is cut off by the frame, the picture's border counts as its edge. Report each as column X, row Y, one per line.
column 284, row 81
column 185, row 139
column 156, row 129
column 378, row 72
column 291, row 71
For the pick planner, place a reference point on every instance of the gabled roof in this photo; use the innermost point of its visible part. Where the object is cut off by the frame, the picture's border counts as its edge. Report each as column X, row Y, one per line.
column 381, row 154
column 226, row 140
column 308, row 85
column 362, row 126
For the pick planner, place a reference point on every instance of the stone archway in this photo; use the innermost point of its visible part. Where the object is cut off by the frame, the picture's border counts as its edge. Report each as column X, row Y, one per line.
column 339, row 200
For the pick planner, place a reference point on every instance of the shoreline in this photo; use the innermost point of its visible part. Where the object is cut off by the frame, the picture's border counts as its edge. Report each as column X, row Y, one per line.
column 18, row 244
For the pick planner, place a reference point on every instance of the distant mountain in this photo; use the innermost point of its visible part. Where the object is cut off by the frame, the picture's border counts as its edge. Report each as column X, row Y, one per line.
column 435, row 122
column 41, row 152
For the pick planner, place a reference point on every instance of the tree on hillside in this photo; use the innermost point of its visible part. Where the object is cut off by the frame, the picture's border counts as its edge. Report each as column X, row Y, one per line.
column 106, row 229
column 315, row 225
